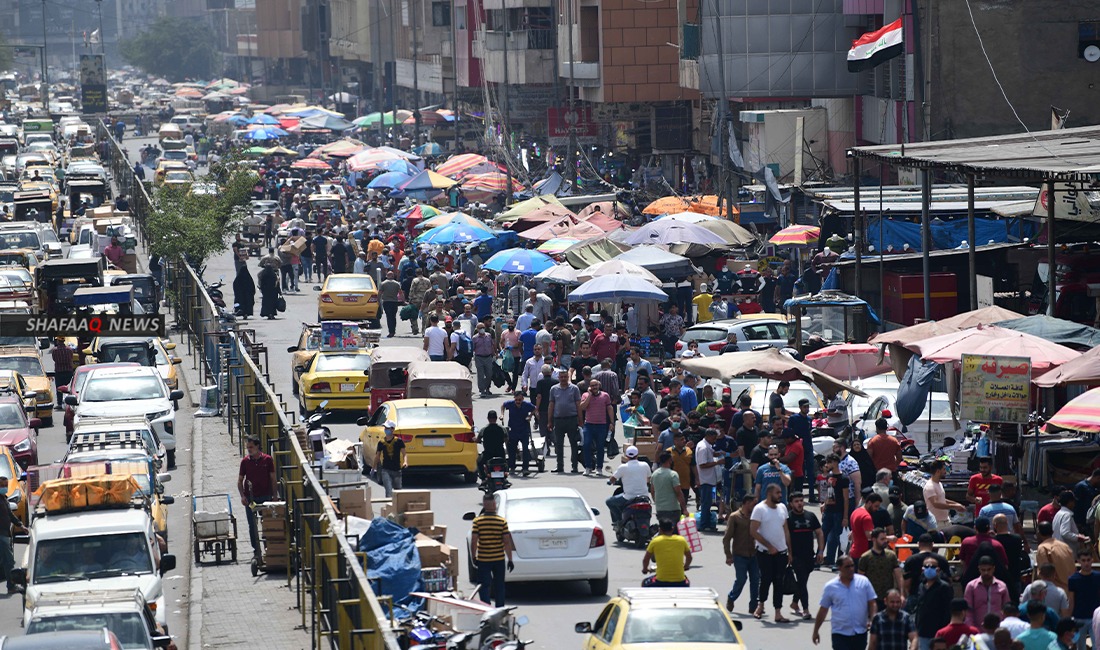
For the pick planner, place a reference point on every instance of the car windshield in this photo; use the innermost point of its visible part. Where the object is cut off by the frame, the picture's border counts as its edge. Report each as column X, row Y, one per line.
column 86, row 558
column 129, row 627
column 111, row 389
column 19, row 240
column 11, row 417
column 357, row 283
column 941, row 410
column 129, row 352
column 429, row 416
column 175, row 154
column 17, row 279
column 547, row 509
column 18, row 340
column 327, row 362
column 704, row 334
column 687, row 625
column 26, row 366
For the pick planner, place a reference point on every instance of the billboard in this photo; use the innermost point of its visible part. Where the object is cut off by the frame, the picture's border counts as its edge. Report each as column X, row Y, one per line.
column 995, row 388
column 559, row 121
column 93, row 84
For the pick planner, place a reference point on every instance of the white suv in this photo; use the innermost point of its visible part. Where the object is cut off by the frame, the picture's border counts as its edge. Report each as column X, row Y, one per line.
column 187, row 123
column 752, row 332
column 131, row 391
column 122, row 611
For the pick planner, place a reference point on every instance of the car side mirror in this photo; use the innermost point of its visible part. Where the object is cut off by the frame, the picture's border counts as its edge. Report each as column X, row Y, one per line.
column 595, row 511
column 86, row 351
column 738, row 626
column 168, row 500
column 169, row 346
column 301, row 369
column 176, row 360
column 316, row 287
column 162, row 641
column 584, row 627
column 175, row 395
column 292, row 349
column 35, row 423
column 64, row 390
column 167, row 563
column 43, row 344
column 164, row 478
column 363, row 421
column 469, row 516
column 71, row 400
column 30, row 394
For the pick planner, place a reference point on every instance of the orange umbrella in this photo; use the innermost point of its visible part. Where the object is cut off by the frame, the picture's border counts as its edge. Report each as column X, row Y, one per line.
column 667, row 205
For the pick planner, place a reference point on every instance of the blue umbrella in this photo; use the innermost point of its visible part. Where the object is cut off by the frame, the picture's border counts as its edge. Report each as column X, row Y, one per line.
column 237, row 120
column 264, row 133
column 613, row 288
column 520, row 261
column 263, row 118
column 455, row 233
column 388, row 180
column 428, row 149
column 398, row 165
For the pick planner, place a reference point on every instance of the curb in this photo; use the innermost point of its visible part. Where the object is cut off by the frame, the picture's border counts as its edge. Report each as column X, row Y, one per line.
column 194, row 624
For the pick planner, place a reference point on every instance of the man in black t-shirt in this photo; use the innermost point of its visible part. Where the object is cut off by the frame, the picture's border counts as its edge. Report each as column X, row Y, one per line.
column 581, row 359
column 835, row 507
column 491, row 437
column 911, row 570
column 390, row 458
column 804, row 529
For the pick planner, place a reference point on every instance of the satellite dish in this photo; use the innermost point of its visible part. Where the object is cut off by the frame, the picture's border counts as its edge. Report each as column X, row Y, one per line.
column 1092, row 54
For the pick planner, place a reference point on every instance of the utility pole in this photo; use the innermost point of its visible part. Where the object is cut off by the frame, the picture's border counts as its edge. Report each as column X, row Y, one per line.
column 45, row 68
column 722, row 117
column 102, row 34
column 454, row 74
column 570, row 163
column 414, row 6
column 507, row 112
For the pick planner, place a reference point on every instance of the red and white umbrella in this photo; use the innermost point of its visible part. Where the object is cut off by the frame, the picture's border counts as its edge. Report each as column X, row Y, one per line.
column 1082, row 413
column 850, row 360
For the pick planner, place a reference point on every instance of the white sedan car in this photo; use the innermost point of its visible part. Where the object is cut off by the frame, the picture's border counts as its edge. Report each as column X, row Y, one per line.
column 556, row 536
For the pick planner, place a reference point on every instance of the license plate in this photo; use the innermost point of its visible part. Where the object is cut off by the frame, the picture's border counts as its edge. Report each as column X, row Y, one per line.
column 350, row 298
column 552, row 542
column 496, row 474
column 433, row 442
column 347, row 388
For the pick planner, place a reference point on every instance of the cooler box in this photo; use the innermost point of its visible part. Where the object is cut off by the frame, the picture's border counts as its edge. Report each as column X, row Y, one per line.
column 904, row 299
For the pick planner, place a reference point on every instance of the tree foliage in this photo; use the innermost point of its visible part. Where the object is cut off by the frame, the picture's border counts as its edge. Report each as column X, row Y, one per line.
column 175, row 48
column 197, row 226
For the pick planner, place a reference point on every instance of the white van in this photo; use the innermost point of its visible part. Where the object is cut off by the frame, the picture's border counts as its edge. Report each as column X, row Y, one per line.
column 187, row 123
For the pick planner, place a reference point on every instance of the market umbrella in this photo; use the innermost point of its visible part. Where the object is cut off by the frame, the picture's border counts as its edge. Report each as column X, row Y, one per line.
column 256, row 150
column 389, row 118
column 493, row 181
column 468, row 163
column 428, row 149
column 664, row 231
column 1085, row 369
column 667, row 205
column 523, row 208
column 280, row 151
column 689, row 217
column 659, row 262
column 427, row 180
column 850, row 360
column 567, row 226
column 1056, row 330
column 1082, row 413
column 451, row 217
column 389, row 180
column 796, row 236
column 613, row 288
column 430, row 118
column 556, row 245
column 993, row 340
column 770, row 364
column 732, row 233
column 616, row 267
column 520, row 261
column 326, row 123
column 371, row 159
column 310, row 163
column 263, row 118
column 342, row 148
column 455, row 233
column 265, row 133
column 559, row 274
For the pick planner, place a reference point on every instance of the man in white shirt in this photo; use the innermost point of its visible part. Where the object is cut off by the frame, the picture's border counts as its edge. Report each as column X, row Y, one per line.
column 532, row 370
column 936, row 498
column 772, row 538
column 1065, row 527
column 634, row 475
column 435, row 340
column 541, row 303
column 707, row 461
column 523, row 323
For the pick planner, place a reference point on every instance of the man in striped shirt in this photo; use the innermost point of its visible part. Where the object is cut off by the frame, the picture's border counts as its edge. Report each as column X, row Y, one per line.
column 492, row 545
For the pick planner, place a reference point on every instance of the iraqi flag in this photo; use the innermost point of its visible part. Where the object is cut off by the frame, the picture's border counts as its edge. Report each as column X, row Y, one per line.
column 876, row 47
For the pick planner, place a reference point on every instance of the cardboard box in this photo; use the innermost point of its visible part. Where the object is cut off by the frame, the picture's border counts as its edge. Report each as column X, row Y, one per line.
column 411, row 500
column 388, row 512
column 356, row 502
column 436, row 532
column 294, row 246
column 272, row 510
column 452, row 562
column 647, row 449
column 431, row 552
column 420, row 519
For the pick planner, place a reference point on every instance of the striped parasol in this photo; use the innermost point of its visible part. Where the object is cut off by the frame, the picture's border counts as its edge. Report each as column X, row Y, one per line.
column 465, row 164
column 490, row 182
column 1081, row 413
column 796, row 236
column 557, row 245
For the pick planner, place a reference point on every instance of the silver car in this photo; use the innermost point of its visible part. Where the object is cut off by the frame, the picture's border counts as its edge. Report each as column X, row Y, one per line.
column 751, row 333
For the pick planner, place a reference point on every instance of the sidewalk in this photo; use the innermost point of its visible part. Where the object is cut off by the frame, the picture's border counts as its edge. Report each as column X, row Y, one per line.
column 230, row 608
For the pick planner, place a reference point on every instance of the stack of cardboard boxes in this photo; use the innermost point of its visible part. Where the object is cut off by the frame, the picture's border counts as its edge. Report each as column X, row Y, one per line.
column 272, row 516
column 412, row 509
column 646, row 443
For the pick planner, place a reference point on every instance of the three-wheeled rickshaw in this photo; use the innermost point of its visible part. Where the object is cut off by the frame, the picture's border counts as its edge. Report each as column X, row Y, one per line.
column 389, row 372
column 58, row 280
column 443, row 380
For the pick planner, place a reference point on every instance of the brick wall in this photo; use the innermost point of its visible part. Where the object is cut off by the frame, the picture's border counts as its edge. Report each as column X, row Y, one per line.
column 639, row 65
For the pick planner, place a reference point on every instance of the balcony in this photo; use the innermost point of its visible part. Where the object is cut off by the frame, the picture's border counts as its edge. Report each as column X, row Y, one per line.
column 530, row 55
column 515, row 40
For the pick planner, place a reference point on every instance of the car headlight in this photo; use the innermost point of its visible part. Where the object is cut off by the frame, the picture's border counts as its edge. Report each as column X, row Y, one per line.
column 158, row 415
column 22, row 446
column 14, row 499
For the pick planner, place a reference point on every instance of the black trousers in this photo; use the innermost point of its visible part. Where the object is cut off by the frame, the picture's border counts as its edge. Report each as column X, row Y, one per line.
column 772, row 568
column 803, row 567
column 390, row 309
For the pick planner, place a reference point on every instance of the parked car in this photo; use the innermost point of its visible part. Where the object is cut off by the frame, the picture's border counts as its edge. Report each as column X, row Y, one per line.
column 122, row 611
column 73, row 388
column 556, row 537
column 751, row 334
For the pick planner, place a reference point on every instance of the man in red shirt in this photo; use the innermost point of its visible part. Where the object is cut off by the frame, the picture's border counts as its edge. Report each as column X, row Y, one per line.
column 969, row 545
column 977, row 492
column 884, row 448
column 793, row 457
column 958, row 627
column 256, row 484
column 1047, row 512
column 862, row 523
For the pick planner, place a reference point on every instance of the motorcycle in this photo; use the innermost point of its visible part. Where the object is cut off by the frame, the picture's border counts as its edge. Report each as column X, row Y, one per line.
column 651, row 581
column 317, row 432
column 496, row 476
column 634, row 526
column 497, row 631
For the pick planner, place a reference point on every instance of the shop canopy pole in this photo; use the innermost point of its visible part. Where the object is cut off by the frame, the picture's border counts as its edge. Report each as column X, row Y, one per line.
column 926, row 238
column 858, row 231
column 972, row 256
column 1050, row 248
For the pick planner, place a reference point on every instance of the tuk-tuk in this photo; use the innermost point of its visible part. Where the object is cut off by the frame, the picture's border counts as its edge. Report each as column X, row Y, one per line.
column 389, row 371
column 441, row 380
column 117, row 300
column 146, row 291
column 58, row 280
column 33, row 205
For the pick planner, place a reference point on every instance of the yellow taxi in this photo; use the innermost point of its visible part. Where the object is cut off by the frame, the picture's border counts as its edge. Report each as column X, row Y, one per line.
column 43, row 186
column 339, row 377
column 20, row 257
column 669, row 618
column 177, row 179
column 348, row 296
column 309, row 342
column 26, row 362
column 166, row 166
column 133, row 350
column 17, row 490
column 437, row 436
column 12, row 382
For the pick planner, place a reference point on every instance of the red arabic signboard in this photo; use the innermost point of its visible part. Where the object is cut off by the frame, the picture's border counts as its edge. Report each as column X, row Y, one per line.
column 560, row 121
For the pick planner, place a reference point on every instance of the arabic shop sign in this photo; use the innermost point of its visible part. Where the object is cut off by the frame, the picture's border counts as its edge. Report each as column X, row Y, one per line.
column 995, row 388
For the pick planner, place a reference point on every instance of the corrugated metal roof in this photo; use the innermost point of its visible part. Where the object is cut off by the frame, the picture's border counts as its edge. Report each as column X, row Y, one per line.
column 1063, row 155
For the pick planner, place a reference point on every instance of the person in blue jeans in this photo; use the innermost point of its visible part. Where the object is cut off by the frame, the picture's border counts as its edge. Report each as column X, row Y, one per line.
column 835, row 507
column 737, row 543
column 492, row 546
column 598, row 414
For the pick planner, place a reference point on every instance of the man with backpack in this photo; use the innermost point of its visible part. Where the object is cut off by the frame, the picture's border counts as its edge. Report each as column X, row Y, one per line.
column 462, row 346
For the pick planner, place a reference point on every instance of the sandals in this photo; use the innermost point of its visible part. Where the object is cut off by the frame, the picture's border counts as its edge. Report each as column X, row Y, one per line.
column 779, row 619
column 759, row 613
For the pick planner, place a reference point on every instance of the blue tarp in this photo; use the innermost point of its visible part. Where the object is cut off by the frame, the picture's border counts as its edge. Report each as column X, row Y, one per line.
column 393, row 564
column 1055, row 330
column 945, row 234
column 914, row 389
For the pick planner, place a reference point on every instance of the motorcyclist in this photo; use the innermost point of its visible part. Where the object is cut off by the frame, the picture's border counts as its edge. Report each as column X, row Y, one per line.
column 634, row 476
column 673, row 556
column 492, row 438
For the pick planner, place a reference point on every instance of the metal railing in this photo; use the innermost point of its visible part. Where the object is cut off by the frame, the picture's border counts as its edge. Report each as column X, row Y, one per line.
column 337, row 603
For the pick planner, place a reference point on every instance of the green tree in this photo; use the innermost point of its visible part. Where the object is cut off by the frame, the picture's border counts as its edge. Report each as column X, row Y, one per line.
column 175, row 48
column 198, row 226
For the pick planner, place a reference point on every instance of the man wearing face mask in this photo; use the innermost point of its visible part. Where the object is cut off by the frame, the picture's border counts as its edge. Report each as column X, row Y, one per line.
column 932, row 602
column 485, row 351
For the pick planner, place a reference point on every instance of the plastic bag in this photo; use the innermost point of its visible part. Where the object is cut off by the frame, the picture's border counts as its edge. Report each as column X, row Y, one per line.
column 790, row 581
column 687, row 529
column 845, row 538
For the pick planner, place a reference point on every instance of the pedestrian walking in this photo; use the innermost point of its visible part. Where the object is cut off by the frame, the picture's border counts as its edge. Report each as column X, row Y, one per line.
column 1084, row 597
column 932, row 602
column 880, row 565
column 773, row 541
column 958, row 628
column 269, row 292
column 805, row 530
column 1055, row 552
column 740, row 550
column 985, row 594
column 708, row 463
column 893, row 628
column 389, row 292
column 390, row 458
column 668, row 500
column 62, row 356
column 834, row 508
column 485, row 351
column 565, row 421
column 596, row 407
column 519, row 412
column 492, row 545
column 256, row 484
column 851, row 598
column 244, row 292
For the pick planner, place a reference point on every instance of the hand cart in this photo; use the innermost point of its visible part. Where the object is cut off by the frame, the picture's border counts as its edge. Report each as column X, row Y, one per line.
column 272, row 525
column 214, row 527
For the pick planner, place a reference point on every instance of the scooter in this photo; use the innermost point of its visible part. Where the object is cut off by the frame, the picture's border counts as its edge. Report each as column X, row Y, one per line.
column 634, row 525
column 316, row 432
column 651, row 581
column 496, row 476
column 497, row 631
